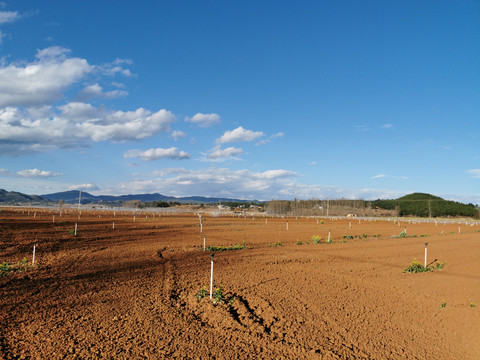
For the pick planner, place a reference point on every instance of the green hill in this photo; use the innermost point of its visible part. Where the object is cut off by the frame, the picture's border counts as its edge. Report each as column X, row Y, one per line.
column 426, row 205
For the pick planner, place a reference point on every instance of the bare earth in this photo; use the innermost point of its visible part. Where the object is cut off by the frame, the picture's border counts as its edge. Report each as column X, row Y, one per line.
column 130, row 292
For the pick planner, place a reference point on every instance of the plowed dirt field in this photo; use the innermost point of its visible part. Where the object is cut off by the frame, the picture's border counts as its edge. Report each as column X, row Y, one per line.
column 125, row 289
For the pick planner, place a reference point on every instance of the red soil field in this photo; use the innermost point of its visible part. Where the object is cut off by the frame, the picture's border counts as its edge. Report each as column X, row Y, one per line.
column 129, row 292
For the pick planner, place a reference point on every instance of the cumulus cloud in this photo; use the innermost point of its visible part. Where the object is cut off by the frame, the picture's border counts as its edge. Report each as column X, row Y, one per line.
column 212, row 182
column 42, row 81
column 239, row 134
column 85, row 187
column 474, row 172
column 386, row 126
column 157, row 154
column 222, row 154
column 204, row 120
column 96, row 91
column 35, row 173
column 75, row 124
column 177, row 134
column 245, row 184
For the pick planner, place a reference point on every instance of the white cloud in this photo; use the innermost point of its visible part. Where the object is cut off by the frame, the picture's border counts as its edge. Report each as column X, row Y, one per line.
column 244, row 184
column 386, row 126
column 474, row 172
column 204, row 120
column 177, row 134
column 223, row 154
column 313, row 163
column 85, row 187
column 239, row 134
column 4, row 171
column 37, row 173
column 267, row 141
column 263, row 142
column 380, row 176
column 212, row 182
column 42, row 81
column 96, row 91
column 75, row 125
column 157, row 154
column 8, row 16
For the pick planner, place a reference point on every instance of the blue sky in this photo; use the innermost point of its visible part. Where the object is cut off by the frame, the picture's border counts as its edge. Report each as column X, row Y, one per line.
column 247, row 99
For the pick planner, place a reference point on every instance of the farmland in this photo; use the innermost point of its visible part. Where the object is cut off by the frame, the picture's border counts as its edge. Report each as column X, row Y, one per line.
column 126, row 285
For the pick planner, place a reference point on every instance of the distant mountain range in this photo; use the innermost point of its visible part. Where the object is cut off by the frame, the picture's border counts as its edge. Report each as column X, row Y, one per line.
column 71, row 197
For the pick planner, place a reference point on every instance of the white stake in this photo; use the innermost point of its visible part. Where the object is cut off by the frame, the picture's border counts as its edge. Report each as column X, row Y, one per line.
column 201, row 227
column 133, row 218
column 33, row 258
column 53, row 219
column 287, row 225
column 203, row 242
column 350, row 224
column 459, row 229
column 426, row 244
column 211, row 277
column 113, row 225
column 328, row 236
column 75, row 229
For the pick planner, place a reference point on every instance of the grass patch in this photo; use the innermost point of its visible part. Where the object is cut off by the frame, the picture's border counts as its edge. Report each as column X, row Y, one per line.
column 316, row 239
column 226, row 248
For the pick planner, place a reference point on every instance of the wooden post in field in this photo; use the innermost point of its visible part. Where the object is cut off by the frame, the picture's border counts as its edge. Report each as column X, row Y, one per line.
column 459, row 229
column 287, row 225
column 113, row 225
column 350, row 224
column 53, row 219
column 75, row 229
column 204, row 242
column 328, row 240
column 33, row 258
column 211, row 276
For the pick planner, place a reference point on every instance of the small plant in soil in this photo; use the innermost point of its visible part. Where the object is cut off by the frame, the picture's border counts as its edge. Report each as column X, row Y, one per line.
column 278, row 243
column 218, row 296
column 299, row 242
column 443, row 304
column 71, row 232
column 202, row 293
column 316, row 239
column 472, row 305
column 6, row 268
column 417, row 267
